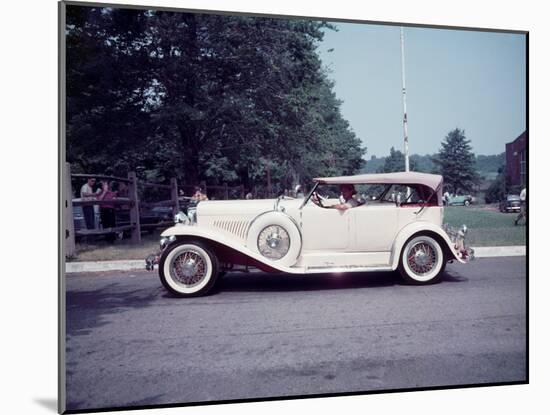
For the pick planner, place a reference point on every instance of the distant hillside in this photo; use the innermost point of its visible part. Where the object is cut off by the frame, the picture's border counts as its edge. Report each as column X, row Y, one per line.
column 423, row 163
column 487, row 166
column 373, row 164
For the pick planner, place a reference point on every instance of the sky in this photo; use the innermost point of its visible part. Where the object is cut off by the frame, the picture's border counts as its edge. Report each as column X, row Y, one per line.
column 472, row 80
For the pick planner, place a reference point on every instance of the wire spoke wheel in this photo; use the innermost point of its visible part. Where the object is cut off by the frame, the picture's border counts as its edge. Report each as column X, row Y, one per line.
column 189, row 268
column 422, row 260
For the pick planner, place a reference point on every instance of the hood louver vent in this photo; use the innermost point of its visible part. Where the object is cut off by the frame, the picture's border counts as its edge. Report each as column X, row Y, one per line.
column 235, row 227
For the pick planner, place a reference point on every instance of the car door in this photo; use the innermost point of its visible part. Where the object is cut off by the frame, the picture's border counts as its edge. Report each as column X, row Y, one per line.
column 376, row 226
column 326, row 229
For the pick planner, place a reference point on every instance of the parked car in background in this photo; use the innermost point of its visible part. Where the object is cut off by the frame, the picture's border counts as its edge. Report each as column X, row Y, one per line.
column 512, row 203
column 152, row 217
column 78, row 217
column 398, row 227
column 460, row 200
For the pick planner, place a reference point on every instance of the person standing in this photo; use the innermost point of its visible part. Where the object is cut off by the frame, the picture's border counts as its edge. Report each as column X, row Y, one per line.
column 199, row 196
column 523, row 211
column 107, row 212
column 298, row 191
column 87, row 193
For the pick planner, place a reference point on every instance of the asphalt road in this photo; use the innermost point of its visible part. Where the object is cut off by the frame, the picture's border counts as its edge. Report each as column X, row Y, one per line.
column 129, row 342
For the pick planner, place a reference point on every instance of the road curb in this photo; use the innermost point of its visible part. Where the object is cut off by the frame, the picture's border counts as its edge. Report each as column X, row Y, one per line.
column 497, row 251
column 137, row 264
column 98, row 266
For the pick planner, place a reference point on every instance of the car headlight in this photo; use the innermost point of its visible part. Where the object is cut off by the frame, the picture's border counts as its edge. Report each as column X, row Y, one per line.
column 181, row 217
column 166, row 240
column 192, row 214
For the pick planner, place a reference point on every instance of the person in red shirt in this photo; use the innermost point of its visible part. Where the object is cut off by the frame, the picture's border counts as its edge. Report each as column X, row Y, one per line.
column 107, row 212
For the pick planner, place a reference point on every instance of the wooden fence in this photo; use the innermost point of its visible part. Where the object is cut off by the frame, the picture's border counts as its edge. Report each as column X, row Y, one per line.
column 132, row 203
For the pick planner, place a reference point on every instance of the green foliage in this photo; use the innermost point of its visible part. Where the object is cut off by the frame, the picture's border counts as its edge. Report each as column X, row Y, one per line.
column 497, row 190
column 457, row 163
column 373, row 164
column 396, row 162
column 202, row 97
column 424, row 163
column 489, row 164
column 486, row 166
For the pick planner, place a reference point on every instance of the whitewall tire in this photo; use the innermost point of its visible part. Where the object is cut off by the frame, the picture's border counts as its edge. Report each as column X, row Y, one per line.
column 422, row 260
column 188, row 269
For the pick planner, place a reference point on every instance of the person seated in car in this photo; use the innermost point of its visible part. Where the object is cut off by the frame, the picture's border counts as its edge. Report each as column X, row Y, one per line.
column 347, row 199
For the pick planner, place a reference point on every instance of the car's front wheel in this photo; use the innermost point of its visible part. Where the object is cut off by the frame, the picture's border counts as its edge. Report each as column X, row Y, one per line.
column 188, row 269
column 422, row 260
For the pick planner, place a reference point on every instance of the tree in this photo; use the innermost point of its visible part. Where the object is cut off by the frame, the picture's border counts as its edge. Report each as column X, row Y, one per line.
column 422, row 163
column 202, row 97
column 396, row 162
column 457, row 163
column 497, row 189
column 106, row 129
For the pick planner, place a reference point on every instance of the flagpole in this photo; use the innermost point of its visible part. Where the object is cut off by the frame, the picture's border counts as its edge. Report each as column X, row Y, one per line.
column 404, row 89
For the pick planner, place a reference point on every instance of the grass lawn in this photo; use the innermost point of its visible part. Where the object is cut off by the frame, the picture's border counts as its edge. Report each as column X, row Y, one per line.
column 123, row 249
column 486, row 225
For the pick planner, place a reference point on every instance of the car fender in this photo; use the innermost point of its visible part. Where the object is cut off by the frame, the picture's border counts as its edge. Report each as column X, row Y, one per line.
column 218, row 237
column 415, row 228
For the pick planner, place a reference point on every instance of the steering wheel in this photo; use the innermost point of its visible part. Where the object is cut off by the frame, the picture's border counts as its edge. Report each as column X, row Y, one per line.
column 316, row 199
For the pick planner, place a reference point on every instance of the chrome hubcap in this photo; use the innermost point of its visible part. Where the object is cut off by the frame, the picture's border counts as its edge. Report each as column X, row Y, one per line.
column 273, row 240
column 188, row 268
column 422, row 258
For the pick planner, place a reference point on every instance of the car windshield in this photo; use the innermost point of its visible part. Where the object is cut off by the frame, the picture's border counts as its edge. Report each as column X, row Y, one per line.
column 513, row 197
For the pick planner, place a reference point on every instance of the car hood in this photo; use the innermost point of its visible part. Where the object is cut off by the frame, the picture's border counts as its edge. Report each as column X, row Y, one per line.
column 242, row 207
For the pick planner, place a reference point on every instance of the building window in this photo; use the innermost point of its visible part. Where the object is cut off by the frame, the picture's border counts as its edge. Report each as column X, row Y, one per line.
column 522, row 168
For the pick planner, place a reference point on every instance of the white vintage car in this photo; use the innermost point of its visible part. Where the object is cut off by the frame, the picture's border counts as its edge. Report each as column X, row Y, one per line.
column 394, row 222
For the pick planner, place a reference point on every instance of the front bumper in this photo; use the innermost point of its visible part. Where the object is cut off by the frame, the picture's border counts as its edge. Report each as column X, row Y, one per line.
column 458, row 239
column 153, row 259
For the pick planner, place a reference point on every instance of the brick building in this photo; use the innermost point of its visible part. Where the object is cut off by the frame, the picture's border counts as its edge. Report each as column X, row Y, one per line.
column 516, row 161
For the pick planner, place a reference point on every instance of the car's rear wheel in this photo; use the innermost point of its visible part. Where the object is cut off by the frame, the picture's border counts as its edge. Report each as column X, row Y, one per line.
column 188, row 269
column 466, row 203
column 422, row 260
